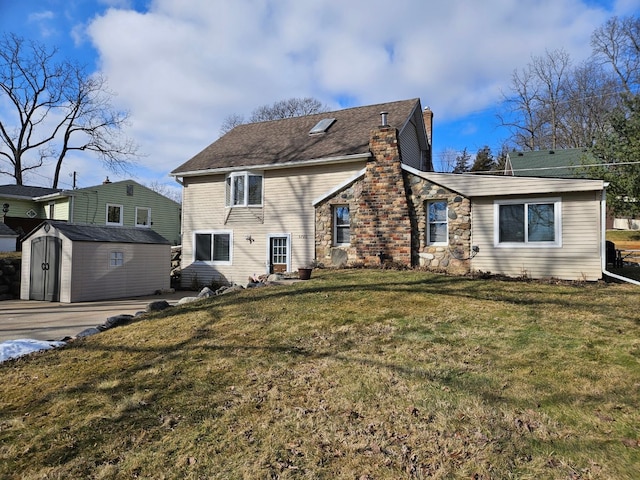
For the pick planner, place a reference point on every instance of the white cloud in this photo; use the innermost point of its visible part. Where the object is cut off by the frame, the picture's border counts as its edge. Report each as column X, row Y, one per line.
column 182, row 67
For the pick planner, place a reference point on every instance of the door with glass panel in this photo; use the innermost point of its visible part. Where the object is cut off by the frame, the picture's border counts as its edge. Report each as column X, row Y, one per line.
column 278, row 254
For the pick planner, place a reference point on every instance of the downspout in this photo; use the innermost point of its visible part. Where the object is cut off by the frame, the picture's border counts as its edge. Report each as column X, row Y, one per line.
column 603, row 250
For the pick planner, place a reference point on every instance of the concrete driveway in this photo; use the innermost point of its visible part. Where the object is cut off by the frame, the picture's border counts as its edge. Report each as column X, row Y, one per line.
column 55, row 321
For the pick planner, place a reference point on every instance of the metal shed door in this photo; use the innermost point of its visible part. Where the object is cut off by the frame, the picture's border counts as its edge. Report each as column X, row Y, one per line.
column 45, row 269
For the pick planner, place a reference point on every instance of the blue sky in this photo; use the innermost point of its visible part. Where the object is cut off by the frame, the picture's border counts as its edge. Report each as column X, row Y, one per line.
column 181, row 66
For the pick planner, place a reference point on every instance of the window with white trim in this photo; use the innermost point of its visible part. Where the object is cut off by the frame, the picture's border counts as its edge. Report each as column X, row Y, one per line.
column 341, row 225
column 243, row 189
column 116, row 259
column 114, row 214
column 437, row 223
column 531, row 223
column 143, row 217
column 213, row 247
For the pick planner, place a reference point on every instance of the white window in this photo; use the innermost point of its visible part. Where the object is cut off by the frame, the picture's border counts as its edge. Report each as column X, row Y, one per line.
column 437, row 226
column 243, row 189
column 114, row 214
column 143, row 217
column 213, row 247
column 116, row 259
column 530, row 223
column 341, row 225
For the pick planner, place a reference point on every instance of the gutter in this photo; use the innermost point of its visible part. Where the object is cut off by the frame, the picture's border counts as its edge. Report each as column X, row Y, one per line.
column 278, row 166
column 603, row 250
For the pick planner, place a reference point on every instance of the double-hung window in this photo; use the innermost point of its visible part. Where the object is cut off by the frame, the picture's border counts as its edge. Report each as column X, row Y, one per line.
column 341, row 225
column 114, row 214
column 531, row 223
column 214, row 247
column 243, row 189
column 143, row 217
column 437, row 228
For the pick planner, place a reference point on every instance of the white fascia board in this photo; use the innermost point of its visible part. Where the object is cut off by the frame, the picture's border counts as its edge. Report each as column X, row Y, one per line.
column 54, row 196
column 302, row 163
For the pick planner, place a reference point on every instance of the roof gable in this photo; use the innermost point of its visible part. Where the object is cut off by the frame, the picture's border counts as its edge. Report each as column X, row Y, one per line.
column 281, row 142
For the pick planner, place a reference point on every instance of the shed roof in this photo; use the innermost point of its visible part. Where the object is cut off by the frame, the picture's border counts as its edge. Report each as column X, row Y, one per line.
column 280, row 142
column 7, row 231
column 102, row 233
column 471, row 185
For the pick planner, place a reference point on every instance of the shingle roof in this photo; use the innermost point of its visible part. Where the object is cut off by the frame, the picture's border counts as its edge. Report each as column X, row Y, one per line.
column 283, row 141
column 26, row 191
column 564, row 163
column 6, row 230
column 103, row 233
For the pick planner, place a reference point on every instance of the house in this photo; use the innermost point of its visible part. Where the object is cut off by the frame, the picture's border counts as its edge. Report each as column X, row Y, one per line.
column 123, row 203
column 77, row 263
column 8, row 238
column 563, row 163
column 356, row 187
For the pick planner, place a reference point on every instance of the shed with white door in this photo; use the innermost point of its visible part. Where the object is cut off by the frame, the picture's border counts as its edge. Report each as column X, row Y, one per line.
column 64, row 262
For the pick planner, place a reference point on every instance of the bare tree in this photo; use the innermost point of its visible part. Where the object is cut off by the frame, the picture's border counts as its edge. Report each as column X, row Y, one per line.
column 554, row 105
column 447, row 160
column 617, row 45
column 292, row 107
column 55, row 108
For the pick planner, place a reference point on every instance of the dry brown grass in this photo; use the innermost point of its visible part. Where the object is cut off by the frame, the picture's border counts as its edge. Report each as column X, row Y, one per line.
column 353, row 374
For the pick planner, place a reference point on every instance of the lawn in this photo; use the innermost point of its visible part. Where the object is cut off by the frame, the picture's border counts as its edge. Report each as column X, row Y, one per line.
column 354, row 374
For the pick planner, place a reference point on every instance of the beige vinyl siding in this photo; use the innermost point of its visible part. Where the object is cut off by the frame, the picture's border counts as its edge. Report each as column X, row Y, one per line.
column 141, row 274
column 90, row 207
column 287, row 209
column 60, row 209
column 578, row 258
column 471, row 185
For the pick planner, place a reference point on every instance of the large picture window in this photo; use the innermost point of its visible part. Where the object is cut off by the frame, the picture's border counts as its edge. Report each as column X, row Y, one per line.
column 243, row 189
column 213, row 247
column 341, row 225
column 437, row 229
column 531, row 223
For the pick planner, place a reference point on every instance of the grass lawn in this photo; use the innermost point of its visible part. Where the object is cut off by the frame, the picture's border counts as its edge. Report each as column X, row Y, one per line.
column 354, row 374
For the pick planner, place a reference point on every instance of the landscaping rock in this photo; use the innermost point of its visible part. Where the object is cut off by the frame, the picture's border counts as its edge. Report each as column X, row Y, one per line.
column 185, row 300
column 158, row 305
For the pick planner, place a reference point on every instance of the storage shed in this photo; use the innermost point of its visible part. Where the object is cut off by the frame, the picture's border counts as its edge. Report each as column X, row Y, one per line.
column 63, row 262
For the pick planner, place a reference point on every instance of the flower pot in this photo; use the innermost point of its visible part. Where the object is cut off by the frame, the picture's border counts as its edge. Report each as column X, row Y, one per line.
column 304, row 273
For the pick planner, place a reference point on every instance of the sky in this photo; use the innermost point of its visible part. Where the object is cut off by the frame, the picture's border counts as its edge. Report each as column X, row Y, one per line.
column 180, row 67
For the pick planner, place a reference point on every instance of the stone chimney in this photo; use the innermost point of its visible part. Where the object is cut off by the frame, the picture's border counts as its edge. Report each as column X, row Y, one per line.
column 427, row 115
column 383, row 227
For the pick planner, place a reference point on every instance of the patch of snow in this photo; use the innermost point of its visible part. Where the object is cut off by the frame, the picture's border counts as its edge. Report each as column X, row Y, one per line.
column 24, row 346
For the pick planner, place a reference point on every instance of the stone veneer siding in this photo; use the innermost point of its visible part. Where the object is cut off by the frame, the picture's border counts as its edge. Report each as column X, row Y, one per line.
column 454, row 257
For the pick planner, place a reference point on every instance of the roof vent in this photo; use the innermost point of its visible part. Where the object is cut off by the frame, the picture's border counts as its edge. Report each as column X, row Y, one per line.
column 383, row 119
column 322, row 126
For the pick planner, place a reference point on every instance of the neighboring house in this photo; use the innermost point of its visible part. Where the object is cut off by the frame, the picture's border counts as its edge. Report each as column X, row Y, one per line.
column 8, row 238
column 123, row 203
column 356, row 187
column 563, row 163
column 77, row 263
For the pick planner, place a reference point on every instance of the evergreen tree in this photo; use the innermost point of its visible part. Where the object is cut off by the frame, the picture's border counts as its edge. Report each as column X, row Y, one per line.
column 484, row 161
column 462, row 162
column 617, row 149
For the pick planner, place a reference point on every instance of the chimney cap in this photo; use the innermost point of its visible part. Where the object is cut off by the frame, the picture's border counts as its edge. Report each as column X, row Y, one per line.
column 383, row 119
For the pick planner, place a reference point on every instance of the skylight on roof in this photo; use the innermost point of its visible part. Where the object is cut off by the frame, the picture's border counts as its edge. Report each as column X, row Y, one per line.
column 322, row 126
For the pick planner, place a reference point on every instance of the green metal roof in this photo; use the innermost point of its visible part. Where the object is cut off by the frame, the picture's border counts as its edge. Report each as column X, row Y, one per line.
column 564, row 163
